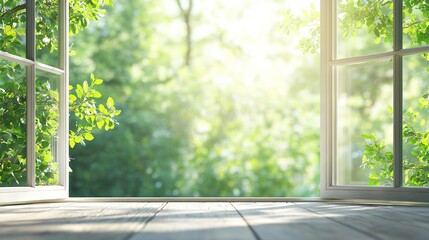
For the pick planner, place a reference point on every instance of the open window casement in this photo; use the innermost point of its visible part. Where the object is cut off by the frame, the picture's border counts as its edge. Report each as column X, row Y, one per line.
column 373, row 76
column 34, row 79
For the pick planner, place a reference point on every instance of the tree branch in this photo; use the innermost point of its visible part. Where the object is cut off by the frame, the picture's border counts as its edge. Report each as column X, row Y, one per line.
column 7, row 159
column 186, row 13
column 13, row 11
column 416, row 23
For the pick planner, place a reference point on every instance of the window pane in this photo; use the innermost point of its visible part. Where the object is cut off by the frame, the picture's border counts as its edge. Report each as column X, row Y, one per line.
column 47, row 35
column 364, row 124
column 416, row 23
column 416, row 121
column 12, row 27
column 363, row 27
column 47, row 121
column 12, row 124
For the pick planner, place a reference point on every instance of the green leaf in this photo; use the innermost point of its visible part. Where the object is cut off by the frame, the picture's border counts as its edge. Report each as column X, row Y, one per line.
column 425, row 140
column 374, row 175
column 9, row 31
column 102, row 109
column 100, row 124
column 377, row 40
column 95, row 94
column 85, row 86
column 88, row 136
column 110, row 103
column 98, row 81
column 79, row 91
column 72, row 98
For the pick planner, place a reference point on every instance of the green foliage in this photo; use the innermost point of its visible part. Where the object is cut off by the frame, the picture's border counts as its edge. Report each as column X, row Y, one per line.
column 84, row 101
column 196, row 130
column 379, row 159
column 415, row 134
column 306, row 24
column 90, row 115
column 375, row 17
column 12, row 124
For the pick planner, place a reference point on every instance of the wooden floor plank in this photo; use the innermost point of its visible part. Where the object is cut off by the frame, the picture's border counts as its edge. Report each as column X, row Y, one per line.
column 81, row 221
column 384, row 222
column 17, row 212
column 197, row 220
column 287, row 221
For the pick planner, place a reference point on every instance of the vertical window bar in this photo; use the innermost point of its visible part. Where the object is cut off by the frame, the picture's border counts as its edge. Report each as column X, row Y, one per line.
column 31, row 92
column 63, row 90
column 332, row 91
column 325, row 144
column 397, row 93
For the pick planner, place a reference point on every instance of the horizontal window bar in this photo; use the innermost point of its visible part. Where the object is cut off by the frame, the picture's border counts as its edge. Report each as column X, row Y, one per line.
column 49, row 69
column 16, row 59
column 382, row 189
column 31, row 189
column 27, row 62
column 379, row 56
column 411, row 51
column 362, row 59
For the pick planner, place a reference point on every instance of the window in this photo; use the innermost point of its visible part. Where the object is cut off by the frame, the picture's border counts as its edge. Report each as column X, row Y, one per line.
column 34, row 77
column 373, row 100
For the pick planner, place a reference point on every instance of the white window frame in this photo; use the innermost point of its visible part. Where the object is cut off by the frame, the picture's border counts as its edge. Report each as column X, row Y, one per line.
column 31, row 192
column 328, row 187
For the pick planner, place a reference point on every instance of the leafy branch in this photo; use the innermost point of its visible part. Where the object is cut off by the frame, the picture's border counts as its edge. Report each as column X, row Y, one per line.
column 9, row 13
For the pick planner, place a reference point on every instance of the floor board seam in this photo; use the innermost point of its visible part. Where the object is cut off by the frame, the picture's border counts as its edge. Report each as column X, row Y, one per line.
column 146, row 222
column 342, row 223
column 255, row 234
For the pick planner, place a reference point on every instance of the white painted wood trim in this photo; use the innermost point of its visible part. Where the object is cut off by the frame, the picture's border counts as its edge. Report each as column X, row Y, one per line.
column 325, row 110
column 14, row 58
column 63, row 131
column 28, row 194
column 30, row 45
column 49, row 69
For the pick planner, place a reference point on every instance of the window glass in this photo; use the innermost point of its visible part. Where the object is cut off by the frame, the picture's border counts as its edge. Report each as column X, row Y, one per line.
column 363, row 27
column 416, row 23
column 47, row 35
column 12, row 27
column 416, row 121
column 364, row 124
column 12, row 124
column 47, row 121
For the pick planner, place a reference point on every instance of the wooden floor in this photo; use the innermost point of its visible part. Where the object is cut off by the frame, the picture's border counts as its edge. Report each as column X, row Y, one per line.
column 211, row 220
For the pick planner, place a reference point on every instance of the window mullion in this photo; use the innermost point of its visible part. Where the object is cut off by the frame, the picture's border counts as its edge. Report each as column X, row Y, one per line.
column 31, row 92
column 397, row 93
column 64, row 82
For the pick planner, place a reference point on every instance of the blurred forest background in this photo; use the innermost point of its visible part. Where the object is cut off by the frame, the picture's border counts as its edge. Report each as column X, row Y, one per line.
column 216, row 100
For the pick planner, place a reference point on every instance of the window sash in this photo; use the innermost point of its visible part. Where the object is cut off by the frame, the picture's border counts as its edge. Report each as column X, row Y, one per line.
column 31, row 191
column 328, row 186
